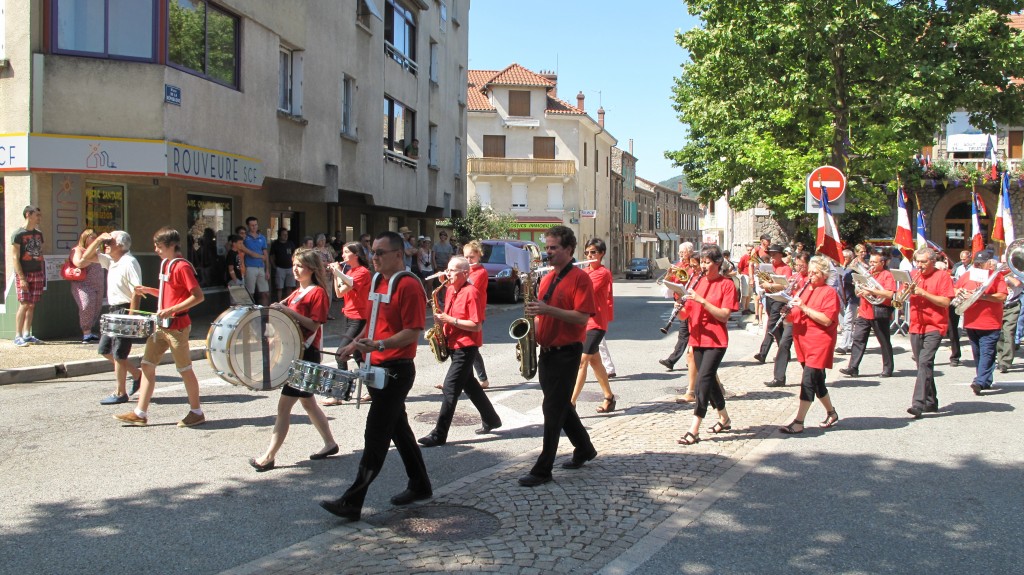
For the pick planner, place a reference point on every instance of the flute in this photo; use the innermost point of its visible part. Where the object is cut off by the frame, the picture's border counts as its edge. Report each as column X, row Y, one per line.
column 549, row 268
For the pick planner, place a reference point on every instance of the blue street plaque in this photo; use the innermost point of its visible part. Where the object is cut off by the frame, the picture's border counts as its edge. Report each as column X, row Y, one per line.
column 172, row 94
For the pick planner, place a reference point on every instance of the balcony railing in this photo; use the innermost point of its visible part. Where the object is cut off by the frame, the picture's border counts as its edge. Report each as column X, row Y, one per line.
column 520, row 167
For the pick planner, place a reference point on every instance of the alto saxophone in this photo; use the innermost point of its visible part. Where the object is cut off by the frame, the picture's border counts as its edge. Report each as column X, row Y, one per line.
column 523, row 330
column 435, row 335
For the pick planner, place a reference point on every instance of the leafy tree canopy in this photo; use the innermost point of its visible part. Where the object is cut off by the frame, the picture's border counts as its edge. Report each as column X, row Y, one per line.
column 774, row 89
column 482, row 223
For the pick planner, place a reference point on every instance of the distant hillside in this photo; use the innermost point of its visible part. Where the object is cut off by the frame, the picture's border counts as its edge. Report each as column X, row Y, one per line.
column 672, row 183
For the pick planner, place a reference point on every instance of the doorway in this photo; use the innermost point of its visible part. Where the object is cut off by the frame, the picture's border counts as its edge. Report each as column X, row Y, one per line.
column 287, row 220
column 957, row 233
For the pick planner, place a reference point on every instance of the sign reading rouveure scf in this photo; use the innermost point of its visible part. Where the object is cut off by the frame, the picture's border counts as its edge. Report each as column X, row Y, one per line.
column 211, row 165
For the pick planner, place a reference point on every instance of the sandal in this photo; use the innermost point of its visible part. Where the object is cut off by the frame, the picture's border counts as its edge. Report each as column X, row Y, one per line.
column 609, row 405
column 330, row 401
column 832, row 419
column 688, row 439
column 719, row 427
column 790, row 430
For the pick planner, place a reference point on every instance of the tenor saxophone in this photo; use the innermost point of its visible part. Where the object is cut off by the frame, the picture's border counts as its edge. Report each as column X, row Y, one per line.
column 524, row 331
column 435, row 335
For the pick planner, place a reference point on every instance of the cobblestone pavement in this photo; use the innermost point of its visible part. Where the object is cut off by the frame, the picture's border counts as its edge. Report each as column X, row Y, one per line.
column 641, row 481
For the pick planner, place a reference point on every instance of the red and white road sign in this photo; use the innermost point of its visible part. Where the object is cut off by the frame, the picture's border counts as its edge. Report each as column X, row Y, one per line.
column 831, row 178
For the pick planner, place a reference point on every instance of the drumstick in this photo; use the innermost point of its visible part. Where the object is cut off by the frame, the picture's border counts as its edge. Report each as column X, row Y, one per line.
column 131, row 288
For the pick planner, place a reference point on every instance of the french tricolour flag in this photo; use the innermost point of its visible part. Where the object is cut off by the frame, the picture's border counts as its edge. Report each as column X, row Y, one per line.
column 1002, row 230
column 828, row 243
column 922, row 235
column 977, row 242
column 904, row 237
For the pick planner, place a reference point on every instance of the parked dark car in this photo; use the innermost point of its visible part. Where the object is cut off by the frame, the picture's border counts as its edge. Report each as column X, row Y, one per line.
column 501, row 282
column 640, row 268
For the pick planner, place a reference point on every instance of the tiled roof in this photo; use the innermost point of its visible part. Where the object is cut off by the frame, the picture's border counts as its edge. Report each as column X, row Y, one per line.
column 1017, row 21
column 477, row 99
column 513, row 75
column 557, row 106
column 516, row 75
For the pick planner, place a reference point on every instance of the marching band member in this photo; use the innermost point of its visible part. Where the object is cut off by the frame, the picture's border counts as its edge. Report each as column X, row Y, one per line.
column 773, row 307
column 462, row 324
column 473, row 252
column 1011, row 312
column 710, row 302
column 393, row 346
column 930, row 294
column 761, row 250
column 983, row 320
column 179, row 291
column 873, row 318
column 848, row 307
column 815, row 316
column 561, row 312
column 961, row 268
column 597, row 325
column 682, row 340
column 798, row 281
column 355, row 295
column 307, row 306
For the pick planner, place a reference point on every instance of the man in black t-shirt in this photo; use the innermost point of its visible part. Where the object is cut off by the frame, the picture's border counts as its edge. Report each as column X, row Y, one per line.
column 30, row 273
column 281, row 251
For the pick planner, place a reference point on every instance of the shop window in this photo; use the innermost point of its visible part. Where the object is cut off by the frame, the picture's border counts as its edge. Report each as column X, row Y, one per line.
column 203, row 39
column 209, row 224
column 122, row 29
column 104, row 207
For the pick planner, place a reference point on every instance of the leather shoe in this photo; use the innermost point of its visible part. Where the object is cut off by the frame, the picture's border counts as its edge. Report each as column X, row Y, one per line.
column 324, row 454
column 849, row 372
column 976, row 388
column 531, row 480
column 486, row 428
column 666, row 363
column 954, row 363
column 408, row 496
column 339, row 508
column 1003, row 369
column 775, row 383
column 612, row 375
column 915, row 412
column 883, row 375
column 931, row 409
column 261, row 467
column 576, row 463
column 759, row 358
column 430, row 441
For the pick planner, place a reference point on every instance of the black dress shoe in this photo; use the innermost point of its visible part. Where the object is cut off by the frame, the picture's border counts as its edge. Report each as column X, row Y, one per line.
column 531, row 480
column 408, row 496
column 849, row 372
column 576, row 463
column 612, row 375
column 954, row 363
column 341, row 509
column 759, row 358
column 430, row 441
column 915, row 411
column 486, row 428
column 324, row 454
column 884, row 375
column 668, row 364
column 261, row 467
column 775, row 383
column 931, row 409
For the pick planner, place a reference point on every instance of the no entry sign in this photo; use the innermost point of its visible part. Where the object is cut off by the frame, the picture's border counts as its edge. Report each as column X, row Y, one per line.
column 829, row 177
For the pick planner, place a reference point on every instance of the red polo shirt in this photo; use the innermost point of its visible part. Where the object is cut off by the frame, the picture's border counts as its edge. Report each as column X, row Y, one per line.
column 178, row 287
column 355, row 298
column 983, row 314
column 924, row 315
column 463, row 303
column 407, row 310
column 312, row 303
column 705, row 330
column 574, row 292
column 815, row 343
column 743, row 267
column 478, row 277
column 866, row 311
column 601, row 279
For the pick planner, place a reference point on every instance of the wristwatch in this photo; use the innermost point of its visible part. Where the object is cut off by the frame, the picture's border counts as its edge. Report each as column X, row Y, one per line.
column 380, row 345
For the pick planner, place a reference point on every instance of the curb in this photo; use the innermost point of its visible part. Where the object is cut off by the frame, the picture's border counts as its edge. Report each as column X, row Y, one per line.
column 76, row 368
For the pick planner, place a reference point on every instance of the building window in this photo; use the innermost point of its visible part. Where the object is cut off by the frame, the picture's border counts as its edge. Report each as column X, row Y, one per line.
column 518, row 103
column 209, row 224
column 519, row 196
column 399, row 126
column 348, row 90
column 458, row 159
column 284, row 90
column 443, row 15
column 433, row 61
column 555, row 197
column 494, row 146
column 400, row 34
column 584, row 154
column 203, row 39
column 432, row 151
column 122, row 29
column 543, row 148
column 483, row 194
column 366, row 9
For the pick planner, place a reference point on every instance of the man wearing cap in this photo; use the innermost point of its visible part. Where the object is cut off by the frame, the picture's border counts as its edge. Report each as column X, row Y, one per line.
column 984, row 318
column 410, row 249
column 774, row 308
column 29, row 272
column 872, row 317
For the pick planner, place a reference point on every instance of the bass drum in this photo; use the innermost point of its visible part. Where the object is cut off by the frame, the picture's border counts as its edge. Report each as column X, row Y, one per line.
column 253, row 347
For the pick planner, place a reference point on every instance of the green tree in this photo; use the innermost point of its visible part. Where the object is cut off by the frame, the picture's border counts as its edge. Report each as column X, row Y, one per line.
column 774, row 89
column 482, row 223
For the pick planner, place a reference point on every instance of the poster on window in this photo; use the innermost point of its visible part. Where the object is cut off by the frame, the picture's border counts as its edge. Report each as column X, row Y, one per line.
column 104, row 207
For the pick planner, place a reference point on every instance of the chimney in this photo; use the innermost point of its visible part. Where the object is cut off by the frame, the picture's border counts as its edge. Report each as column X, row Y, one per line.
column 600, row 116
column 579, row 100
column 631, row 146
column 551, row 75
column 679, row 188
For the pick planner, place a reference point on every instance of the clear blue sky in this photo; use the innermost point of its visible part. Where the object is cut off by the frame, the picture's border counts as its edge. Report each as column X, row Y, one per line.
column 622, row 55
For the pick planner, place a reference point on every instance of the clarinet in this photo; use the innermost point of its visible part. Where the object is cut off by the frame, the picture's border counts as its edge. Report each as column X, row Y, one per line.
column 785, row 311
column 679, row 303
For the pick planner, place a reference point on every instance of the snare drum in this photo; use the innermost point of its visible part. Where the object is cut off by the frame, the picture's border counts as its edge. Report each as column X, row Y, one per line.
column 253, row 346
column 126, row 326
column 321, row 379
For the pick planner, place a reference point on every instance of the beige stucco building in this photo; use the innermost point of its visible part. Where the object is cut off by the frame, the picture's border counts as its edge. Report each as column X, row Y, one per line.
column 197, row 115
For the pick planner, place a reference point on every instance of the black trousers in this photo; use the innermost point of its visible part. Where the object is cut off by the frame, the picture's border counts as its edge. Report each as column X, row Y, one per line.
column 681, row 342
column 460, row 378
column 812, row 384
column 774, row 309
column 556, row 370
column 708, row 391
column 861, row 329
column 387, row 421
column 924, row 346
column 353, row 327
column 954, row 334
column 784, row 353
column 481, row 371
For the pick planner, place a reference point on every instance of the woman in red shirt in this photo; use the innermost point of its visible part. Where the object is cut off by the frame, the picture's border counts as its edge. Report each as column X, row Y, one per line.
column 355, row 292
column 597, row 325
column 708, row 305
column 308, row 306
column 815, row 317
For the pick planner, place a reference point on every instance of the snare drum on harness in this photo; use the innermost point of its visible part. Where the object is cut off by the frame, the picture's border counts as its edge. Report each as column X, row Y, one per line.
column 126, row 326
column 253, row 346
column 323, row 380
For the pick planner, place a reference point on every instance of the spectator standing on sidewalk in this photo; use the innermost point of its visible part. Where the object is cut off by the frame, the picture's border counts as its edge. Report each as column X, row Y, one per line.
column 443, row 251
column 281, row 251
column 234, row 261
column 29, row 272
column 88, row 293
column 257, row 263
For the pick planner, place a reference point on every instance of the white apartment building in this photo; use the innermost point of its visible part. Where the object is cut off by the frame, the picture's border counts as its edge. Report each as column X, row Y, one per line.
column 133, row 115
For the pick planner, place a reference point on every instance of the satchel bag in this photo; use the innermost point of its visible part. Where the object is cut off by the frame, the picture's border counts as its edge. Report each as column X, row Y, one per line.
column 71, row 272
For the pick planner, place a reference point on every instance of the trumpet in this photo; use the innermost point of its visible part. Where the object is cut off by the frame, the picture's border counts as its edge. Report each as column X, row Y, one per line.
column 678, row 272
column 903, row 294
column 755, row 262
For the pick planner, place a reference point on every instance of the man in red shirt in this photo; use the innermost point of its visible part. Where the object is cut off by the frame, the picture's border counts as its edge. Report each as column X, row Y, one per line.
column 462, row 323
column 779, row 268
column 392, row 345
column 930, row 294
column 179, row 291
column 873, row 318
column 597, row 326
column 983, row 319
column 564, row 305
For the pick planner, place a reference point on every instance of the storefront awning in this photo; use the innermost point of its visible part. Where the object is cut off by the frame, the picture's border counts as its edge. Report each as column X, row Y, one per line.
column 673, row 237
column 645, row 237
column 663, row 236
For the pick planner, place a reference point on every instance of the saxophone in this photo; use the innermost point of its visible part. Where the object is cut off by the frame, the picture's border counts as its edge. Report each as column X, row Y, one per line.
column 523, row 330
column 435, row 335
